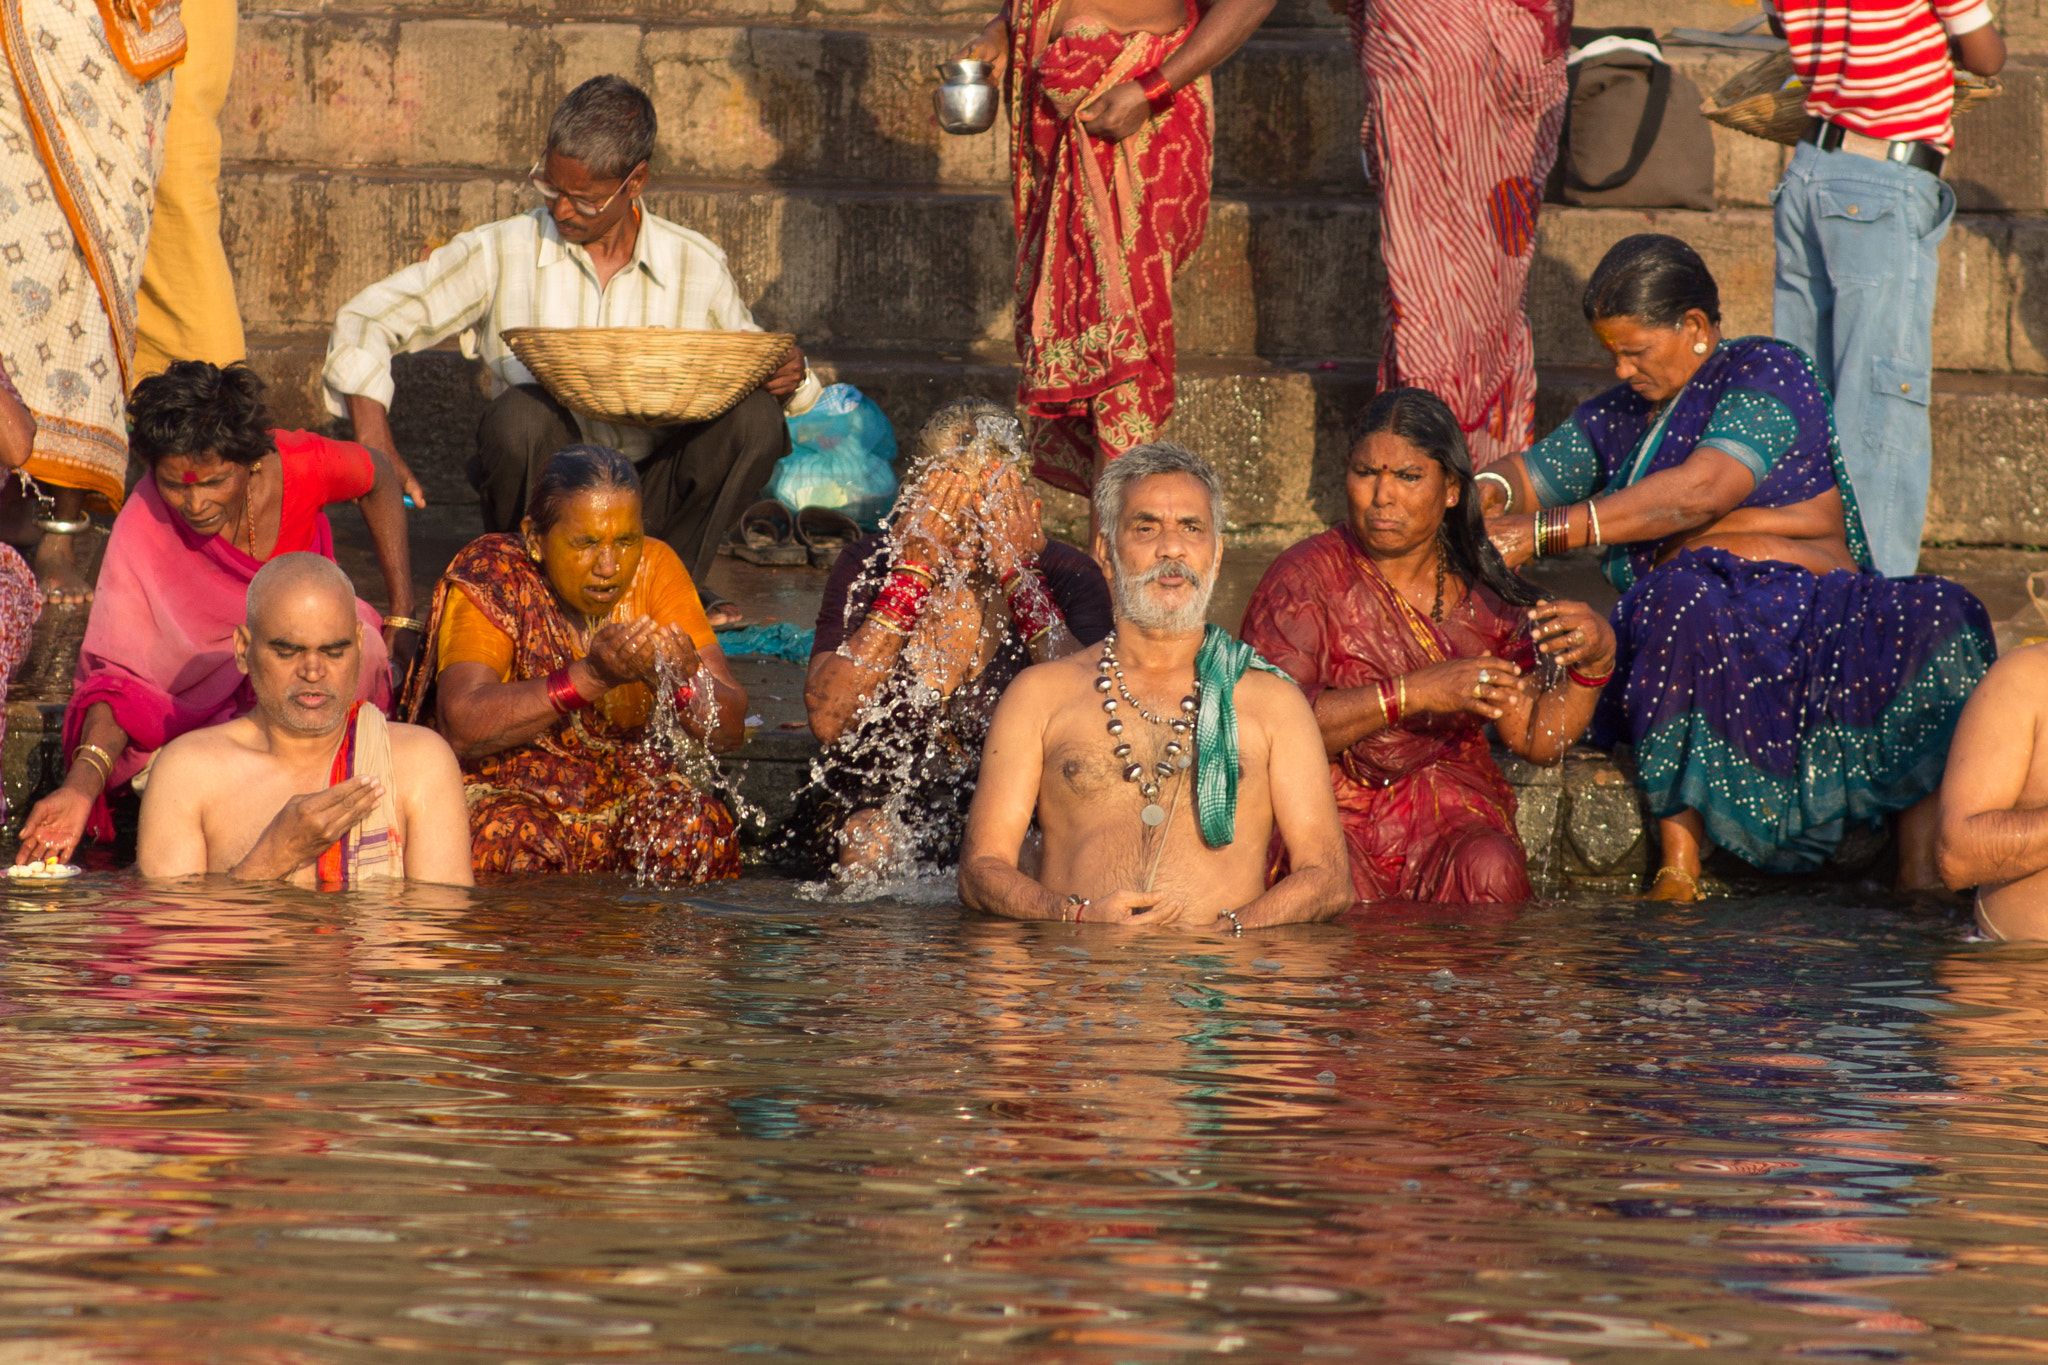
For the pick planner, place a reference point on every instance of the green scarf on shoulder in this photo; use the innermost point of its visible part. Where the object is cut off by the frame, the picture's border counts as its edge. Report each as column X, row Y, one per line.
column 1221, row 662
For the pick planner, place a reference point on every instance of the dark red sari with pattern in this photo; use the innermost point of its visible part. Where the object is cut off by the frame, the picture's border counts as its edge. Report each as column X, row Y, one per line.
column 1102, row 227
column 1426, row 812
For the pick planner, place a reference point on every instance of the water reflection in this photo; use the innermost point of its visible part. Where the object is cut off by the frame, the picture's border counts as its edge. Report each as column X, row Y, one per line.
column 579, row 1123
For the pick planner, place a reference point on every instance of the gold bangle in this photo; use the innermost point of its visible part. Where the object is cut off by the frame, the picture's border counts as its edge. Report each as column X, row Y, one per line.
column 92, row 753
column 1593, row 517
column 407, row 623
column 1401, row 694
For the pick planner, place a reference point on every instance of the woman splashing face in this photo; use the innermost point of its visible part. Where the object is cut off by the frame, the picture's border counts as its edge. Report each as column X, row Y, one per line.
column 1411, row 636
column 546, row 650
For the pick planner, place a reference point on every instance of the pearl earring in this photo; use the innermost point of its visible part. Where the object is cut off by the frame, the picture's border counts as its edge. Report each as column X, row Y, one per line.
column 1699, row 348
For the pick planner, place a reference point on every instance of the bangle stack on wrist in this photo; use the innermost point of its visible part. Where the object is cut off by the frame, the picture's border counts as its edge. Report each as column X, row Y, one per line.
column 1553, row 531
column 1031, row 606
column 1390, row 705
column 902, row 598
column 99, row 758
column 1584, row 681
column 412, row 624
column 563, row 694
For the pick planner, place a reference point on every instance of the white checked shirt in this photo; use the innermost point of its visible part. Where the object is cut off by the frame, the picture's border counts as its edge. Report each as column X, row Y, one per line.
column 518, row 272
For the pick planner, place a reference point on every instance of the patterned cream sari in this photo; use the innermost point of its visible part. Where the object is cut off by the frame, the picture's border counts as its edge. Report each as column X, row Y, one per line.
column 81, row 142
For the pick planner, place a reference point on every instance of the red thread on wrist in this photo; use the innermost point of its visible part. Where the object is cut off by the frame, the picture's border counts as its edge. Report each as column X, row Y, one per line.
column 1158, row 90
column 563, row 694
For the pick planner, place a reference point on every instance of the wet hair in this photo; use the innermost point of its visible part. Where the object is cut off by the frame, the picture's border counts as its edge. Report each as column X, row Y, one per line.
column 573, row 471
column 194, row 407
column 606, row 124
column 1142, row 462
column 1423, row 420
column 1653, row 278
column 979, row 429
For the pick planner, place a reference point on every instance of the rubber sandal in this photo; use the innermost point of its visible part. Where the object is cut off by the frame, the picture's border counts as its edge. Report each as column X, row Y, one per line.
column 825, row 532
column 766, row 535
column 712, row 602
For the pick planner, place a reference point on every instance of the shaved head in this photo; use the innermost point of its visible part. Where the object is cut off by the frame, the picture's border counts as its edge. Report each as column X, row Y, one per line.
column 301, row 643
column 294, row 577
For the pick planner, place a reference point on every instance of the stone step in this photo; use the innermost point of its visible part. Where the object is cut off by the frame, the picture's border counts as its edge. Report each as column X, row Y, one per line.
column 1277, row 431
column 1281, row 277
column 780, row 104
column 2025, row 22
column 791, row 105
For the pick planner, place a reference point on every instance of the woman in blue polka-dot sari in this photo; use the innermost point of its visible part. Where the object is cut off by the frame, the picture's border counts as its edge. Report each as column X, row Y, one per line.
column 1776, row 689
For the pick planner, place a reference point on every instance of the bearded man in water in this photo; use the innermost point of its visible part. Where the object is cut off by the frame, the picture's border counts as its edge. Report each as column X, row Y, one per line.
column 309, row 787
column 1169, row 738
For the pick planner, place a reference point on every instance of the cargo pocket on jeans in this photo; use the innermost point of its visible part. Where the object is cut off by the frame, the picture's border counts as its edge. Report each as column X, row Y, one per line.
column 1897, row 379
column 1844, row 211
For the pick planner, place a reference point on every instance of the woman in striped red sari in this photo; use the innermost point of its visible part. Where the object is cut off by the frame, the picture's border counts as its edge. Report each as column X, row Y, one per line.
column 1463, row 104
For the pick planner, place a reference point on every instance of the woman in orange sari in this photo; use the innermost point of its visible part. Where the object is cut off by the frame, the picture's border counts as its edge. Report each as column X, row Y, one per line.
column 1410, row 636
column 544, row 648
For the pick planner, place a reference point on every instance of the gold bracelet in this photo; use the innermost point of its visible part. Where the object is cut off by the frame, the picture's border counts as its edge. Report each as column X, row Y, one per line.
column 91, row 752
column 1593, row 516
column 407, row 623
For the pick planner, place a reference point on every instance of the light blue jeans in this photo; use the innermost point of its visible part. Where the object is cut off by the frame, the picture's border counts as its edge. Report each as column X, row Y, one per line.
column 1859, row 243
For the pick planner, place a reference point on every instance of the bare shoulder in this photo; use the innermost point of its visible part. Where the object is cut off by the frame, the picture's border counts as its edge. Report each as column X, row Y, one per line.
column 1045, row 686
column 1272, row 698
column 198, row 751
column 2018, row 683
column 418, row 752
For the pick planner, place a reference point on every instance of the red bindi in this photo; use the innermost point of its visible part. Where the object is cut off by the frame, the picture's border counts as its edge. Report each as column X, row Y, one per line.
column 189, row 476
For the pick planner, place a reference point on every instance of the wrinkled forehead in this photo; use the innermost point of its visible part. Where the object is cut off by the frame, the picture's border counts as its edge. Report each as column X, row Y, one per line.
column 1171, row 497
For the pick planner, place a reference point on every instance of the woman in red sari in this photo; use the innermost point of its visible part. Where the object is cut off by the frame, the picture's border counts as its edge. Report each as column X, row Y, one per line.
column 225, row 495
column 1410, row 636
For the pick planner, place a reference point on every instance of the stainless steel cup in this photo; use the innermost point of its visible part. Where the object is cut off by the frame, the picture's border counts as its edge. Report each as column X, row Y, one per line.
column 966, row 103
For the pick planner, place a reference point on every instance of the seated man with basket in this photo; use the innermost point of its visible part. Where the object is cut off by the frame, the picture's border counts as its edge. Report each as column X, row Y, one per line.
column 589, row 258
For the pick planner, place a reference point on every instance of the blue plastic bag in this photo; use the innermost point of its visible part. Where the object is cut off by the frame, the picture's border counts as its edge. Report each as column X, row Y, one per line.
column 844, row 457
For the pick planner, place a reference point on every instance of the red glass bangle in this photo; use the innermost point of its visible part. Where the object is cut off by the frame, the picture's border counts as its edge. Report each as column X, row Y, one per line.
column 901, row 599
column 1158, row 90
column 1032, row 607
column 563, row 694
column 1584, row 681
column 685, row 694
column 1389, row 707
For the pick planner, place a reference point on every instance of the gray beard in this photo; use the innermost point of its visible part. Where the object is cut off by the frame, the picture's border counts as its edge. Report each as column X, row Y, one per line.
column 1133, row 604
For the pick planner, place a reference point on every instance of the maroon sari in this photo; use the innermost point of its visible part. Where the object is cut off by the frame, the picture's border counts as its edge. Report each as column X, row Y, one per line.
column 1426, row 813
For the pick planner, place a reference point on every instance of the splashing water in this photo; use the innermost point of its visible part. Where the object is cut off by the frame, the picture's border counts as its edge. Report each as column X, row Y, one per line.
column 669, row 745
column 903, row 775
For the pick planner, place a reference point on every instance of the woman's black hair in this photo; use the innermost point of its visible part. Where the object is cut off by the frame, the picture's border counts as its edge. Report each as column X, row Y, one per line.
column 1654, row 278
column 194, row 407
column 573, row 470
column 1421, row 419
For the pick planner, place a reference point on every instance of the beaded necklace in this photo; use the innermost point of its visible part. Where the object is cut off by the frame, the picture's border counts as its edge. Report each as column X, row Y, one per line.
column 1175, row 756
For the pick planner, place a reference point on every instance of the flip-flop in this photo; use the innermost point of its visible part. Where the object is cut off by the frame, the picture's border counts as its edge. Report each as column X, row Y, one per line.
column 825, row 532
column 713, row 602
column 766, row 535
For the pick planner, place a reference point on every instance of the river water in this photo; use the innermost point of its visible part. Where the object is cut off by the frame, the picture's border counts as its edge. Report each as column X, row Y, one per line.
column 579, row 1122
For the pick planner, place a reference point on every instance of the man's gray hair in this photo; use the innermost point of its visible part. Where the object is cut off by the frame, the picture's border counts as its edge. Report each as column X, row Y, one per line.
column 606, row 124
column 1142, row 462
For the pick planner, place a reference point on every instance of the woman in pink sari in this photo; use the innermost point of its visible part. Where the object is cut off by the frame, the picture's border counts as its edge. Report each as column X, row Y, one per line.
column 1410, row 636
column 224, row 495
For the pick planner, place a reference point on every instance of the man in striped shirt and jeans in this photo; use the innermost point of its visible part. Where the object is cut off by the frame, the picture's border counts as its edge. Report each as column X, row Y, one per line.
column 1860, row 217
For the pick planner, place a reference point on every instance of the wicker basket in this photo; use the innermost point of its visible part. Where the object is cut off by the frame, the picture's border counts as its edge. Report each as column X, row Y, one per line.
column 648, row 376
column 1766, row 100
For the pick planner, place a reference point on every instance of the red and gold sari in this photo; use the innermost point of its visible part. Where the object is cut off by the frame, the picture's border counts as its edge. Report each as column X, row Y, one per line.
column 1427, row 814
column 586, row 795
column 1102, row 227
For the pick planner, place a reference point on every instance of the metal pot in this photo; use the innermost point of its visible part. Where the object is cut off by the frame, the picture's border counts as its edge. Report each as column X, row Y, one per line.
column 966, row 103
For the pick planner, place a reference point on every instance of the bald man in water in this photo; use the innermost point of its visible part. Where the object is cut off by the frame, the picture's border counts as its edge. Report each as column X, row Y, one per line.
column 257, row 798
